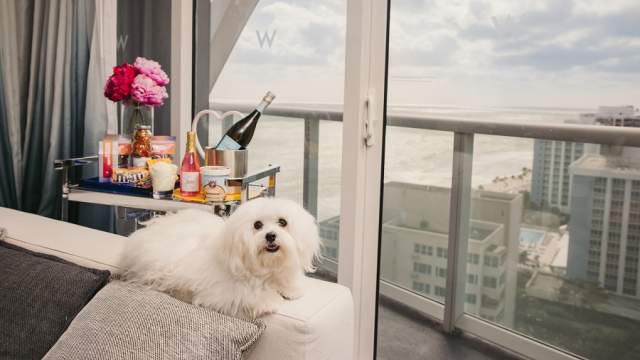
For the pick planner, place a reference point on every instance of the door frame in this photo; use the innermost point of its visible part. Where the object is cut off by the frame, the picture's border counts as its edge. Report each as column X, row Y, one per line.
column 362, row 170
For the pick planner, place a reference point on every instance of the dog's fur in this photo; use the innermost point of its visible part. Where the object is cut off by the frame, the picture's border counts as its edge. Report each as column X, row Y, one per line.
column 227, row 265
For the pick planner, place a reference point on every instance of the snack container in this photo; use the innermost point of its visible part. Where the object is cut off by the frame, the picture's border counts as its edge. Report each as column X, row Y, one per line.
column 214, row 182
column 138, row 176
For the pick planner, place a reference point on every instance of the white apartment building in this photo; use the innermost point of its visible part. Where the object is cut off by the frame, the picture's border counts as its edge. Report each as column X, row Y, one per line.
column 605, row 220
column 420, row 263
column 414, row 245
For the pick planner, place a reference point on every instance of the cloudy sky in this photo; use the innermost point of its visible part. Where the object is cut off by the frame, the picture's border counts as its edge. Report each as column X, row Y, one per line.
column 496, row 53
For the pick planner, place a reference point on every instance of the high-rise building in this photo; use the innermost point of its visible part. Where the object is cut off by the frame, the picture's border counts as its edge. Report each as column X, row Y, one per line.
column 605, row 220
column 550, row 181
column 618, row 116
column 415, row 238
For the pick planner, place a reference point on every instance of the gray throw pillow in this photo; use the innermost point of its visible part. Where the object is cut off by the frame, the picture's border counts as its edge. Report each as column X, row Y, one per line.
column 125, row 321
column 39, row 297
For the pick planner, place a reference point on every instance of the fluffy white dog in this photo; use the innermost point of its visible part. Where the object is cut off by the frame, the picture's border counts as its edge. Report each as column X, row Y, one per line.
column 242, row 266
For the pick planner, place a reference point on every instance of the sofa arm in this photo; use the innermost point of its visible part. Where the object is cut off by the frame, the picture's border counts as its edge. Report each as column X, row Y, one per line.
column 75, row 243
column 319, row 325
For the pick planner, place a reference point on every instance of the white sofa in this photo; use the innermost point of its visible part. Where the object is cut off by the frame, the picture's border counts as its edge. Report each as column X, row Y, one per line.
column 317, row 326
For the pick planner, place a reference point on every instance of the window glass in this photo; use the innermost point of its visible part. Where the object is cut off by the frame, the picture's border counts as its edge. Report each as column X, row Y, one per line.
column 296, row 50
column 553, row 243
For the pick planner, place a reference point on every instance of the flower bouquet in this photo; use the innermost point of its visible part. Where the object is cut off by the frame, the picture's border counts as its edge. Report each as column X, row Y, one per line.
column 140, row 87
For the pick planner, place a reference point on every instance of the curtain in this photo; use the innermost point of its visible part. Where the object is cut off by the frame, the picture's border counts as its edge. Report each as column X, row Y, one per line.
column 100, row 115
column 49, row 67
column 14, row 35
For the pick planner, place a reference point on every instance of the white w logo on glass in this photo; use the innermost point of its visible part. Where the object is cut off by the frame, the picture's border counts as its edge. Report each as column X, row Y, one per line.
column 122, row 42
column 266, row 37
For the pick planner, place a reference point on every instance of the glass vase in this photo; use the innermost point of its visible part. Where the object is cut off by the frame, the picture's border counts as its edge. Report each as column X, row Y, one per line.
column 134, row 115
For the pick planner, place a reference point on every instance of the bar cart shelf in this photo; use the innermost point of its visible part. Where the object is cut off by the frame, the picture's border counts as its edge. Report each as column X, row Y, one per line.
column 78, row 193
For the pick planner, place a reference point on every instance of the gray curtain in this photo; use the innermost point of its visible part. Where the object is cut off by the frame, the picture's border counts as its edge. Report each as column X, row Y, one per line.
column 43, row 79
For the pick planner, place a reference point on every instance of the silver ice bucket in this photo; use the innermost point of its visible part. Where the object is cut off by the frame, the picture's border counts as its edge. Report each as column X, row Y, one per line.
column 236, row 160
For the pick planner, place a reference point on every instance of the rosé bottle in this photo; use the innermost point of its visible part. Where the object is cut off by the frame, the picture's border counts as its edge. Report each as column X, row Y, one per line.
column 190, row 169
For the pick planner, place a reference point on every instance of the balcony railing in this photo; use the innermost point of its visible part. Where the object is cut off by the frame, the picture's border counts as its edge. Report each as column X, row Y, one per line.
column 313, row 114
column 464, row 131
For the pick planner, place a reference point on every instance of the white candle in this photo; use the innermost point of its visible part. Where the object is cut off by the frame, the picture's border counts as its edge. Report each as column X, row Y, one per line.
column 163, row 179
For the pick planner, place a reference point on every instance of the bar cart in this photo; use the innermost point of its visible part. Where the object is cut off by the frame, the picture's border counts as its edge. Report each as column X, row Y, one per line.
column 83, row 193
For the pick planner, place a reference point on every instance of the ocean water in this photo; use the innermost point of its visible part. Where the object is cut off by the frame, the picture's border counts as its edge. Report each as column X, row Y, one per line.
column 412, row 155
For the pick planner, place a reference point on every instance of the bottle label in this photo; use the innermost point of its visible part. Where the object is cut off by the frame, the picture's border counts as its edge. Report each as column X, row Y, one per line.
column 189, row 182
column 227, row 143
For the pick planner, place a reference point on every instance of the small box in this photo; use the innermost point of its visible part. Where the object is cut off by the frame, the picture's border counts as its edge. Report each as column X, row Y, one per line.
column 163, row 147
column 114, row 152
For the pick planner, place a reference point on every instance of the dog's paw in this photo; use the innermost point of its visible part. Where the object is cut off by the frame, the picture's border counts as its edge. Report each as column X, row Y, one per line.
column 292, row 293
column 260, row 311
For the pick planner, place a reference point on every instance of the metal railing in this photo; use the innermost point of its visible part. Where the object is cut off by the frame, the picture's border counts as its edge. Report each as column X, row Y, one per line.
column 312, row 114
column 464, row 131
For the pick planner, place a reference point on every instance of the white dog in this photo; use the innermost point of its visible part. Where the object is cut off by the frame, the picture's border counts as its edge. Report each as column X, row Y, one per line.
column 242, row 266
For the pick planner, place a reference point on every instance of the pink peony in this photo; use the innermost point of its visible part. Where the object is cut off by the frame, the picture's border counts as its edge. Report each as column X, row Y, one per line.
column 152, row 69
column 145, row 91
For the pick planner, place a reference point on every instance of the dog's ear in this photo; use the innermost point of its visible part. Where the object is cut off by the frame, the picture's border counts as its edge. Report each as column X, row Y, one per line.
column 309, row 242
column 234, row 248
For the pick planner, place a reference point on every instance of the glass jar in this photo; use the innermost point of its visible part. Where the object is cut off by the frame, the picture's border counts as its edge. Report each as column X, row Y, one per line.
column 135, row 115
column 141, row 145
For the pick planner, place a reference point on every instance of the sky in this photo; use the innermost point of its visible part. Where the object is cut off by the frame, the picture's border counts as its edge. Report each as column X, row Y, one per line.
column 468, row 53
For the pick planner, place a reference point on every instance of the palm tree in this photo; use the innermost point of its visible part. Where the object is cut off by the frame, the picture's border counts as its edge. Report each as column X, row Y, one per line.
column 522, row 257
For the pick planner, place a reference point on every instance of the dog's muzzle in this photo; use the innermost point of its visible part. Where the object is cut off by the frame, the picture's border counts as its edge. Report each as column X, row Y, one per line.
column 271, row 242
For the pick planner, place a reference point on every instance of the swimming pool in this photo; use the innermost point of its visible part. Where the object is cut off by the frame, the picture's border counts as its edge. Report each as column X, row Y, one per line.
column 531, row 237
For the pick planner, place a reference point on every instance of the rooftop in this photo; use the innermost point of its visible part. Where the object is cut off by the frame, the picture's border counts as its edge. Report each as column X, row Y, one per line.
column 560, row 260
column 479, row 230
column 613, row 164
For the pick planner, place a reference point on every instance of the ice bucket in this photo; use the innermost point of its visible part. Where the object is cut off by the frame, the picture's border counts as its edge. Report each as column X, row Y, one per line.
column 236, row 160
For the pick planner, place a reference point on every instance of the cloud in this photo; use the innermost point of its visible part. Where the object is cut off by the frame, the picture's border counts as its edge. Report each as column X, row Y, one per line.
column 306, row 33
column 551, row 35
column 560, row 37
column 458, row 51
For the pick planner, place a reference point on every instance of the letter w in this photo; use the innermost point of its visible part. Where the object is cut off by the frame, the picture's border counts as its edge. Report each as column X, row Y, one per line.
column 265, row 36
column 122, row 42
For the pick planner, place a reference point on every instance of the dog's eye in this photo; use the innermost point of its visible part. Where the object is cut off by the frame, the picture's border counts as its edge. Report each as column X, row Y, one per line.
column 282, row 222
column 257, row 225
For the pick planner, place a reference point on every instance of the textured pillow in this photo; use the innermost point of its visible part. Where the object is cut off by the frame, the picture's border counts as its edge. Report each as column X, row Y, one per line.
column 39, row 297
column 125, row 321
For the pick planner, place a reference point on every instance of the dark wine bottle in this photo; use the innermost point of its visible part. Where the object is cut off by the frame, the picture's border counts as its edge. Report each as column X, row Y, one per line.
column 239, row 134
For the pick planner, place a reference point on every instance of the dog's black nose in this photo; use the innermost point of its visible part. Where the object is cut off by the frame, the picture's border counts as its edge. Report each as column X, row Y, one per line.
column 271, row 237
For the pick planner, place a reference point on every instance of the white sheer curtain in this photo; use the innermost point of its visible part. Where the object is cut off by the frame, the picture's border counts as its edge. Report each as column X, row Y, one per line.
column 100, row 115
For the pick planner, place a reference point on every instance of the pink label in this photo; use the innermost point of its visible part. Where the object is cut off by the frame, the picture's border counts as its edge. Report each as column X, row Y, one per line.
column 189, row 181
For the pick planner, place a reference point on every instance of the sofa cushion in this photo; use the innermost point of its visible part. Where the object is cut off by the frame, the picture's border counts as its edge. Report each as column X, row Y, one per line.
column 39, row 297
column 126, row 321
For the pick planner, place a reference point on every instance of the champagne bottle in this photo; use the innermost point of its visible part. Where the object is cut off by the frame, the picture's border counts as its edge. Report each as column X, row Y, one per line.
column 190, row 168
column 239, row 135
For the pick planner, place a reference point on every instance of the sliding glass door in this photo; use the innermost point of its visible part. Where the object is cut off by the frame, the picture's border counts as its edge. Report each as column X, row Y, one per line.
column 511, row 190
column 472, row 163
